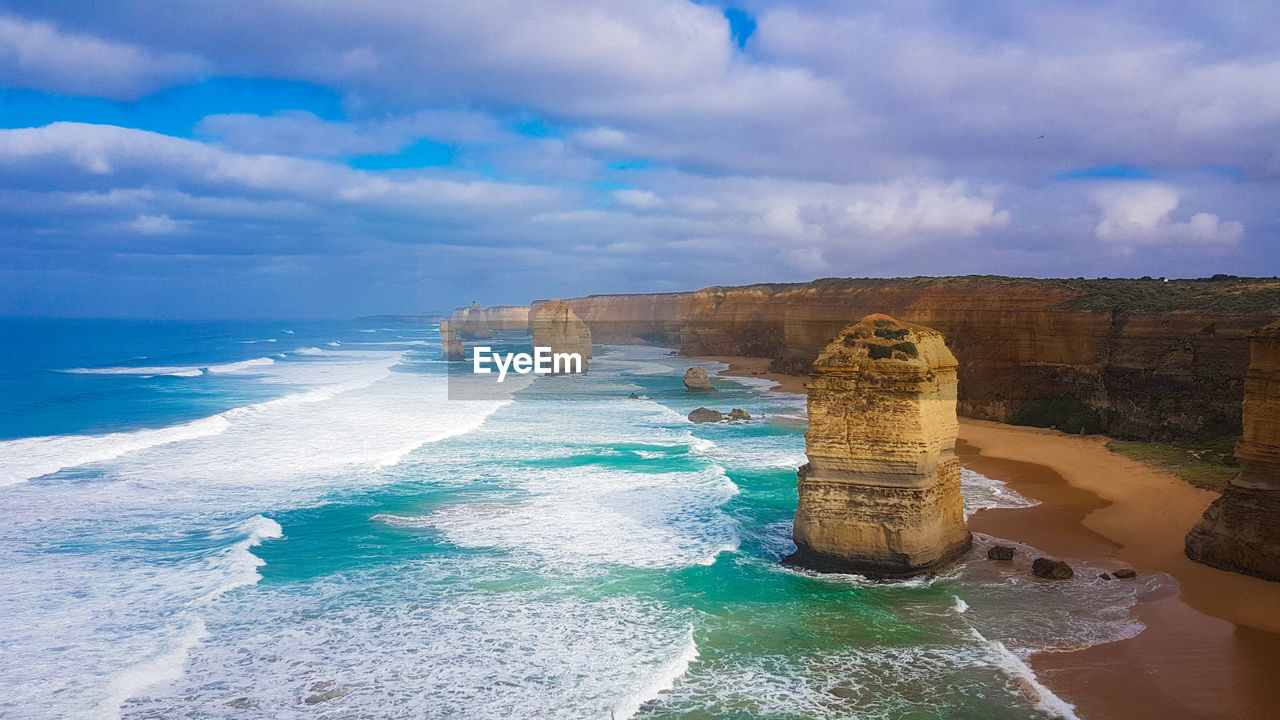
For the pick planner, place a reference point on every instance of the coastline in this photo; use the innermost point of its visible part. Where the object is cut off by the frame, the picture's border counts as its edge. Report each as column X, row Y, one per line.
column 1208, row 641
column 759, row 368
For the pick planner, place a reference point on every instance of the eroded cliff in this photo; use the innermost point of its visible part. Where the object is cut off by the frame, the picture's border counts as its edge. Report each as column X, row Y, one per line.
column 555, row 326
column 881, row 492
column 449, row 343
column 1140, row 358
column 1241, row 530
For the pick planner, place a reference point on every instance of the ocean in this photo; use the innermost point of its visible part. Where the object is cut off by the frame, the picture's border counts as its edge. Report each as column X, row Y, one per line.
column 291, row 519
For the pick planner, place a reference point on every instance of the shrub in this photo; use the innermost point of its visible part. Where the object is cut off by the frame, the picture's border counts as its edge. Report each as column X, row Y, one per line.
column 906, row 348
column 879, row 352
column 887, row 334
column 1066, row 413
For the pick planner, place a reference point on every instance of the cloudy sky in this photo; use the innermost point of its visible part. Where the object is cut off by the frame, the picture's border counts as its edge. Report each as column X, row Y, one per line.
column 288, row 159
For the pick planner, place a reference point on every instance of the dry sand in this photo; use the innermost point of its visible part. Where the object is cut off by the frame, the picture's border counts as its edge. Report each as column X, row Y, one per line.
column 1211, row 647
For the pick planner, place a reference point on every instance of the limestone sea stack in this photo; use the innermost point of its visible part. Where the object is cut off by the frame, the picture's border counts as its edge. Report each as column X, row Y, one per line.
column 472, row 322
column 696, row 380
column 557, row 327
column 449, row 342
column 1241, row 530
column 880, row 495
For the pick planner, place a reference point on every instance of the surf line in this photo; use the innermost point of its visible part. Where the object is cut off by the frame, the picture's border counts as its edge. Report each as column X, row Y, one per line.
column 541, row 362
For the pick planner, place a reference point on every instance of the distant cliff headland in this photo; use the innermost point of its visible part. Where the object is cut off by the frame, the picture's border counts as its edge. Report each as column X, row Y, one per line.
column 1148, row 359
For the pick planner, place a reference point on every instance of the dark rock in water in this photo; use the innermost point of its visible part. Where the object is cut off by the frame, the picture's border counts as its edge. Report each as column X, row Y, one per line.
column 1103, row 576
column 1051, row 569
column 1125, row 573
column 633, row 396
column 696, row 380
column 1000, row 552
column 706, row 415
column 739, row 414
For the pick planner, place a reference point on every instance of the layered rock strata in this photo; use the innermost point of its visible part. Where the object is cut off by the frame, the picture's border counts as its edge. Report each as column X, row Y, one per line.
column 880, row 495
column 1150, row 359
column 557, row 327
column 1241, row 530
column 449, row 342
column 471, row 322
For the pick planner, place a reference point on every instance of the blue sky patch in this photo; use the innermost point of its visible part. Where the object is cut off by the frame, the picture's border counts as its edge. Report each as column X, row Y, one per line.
column 741, row 25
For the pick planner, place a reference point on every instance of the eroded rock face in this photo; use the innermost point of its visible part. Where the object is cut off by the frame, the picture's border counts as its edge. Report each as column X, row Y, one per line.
column 557, row 327
column 471, row 322
column 696, row 380
column 449, row 342
column 881, row 493
column 1241, row 530
column 705, row 415
column 1050, row 569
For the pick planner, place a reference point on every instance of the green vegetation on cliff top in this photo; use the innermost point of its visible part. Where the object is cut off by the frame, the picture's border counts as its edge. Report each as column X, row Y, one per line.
column 1220, row 293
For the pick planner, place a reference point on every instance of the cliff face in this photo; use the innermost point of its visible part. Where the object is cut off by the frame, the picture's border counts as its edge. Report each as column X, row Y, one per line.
column 631, row 319
column 470, row 322
column 476, row 322
column 881, row 492
column 556, row 326
column 1241, row 530
column 449, row 342
column 1152, row 360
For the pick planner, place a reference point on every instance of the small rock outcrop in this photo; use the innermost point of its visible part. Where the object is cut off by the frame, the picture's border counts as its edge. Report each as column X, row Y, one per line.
column 1241, row 530
column 696, row 380
column 633, row 396
column 1049, row 569
column 449, row 342
column 739, row 414
column 1003, row 553
column 706, row 415
column 557, row 327
column 1124, row 573
column 881, row 492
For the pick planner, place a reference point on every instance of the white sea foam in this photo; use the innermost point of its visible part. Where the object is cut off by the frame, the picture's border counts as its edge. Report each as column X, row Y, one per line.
column 663, row 680
column 169, row 370
column 578, row 518
column 308, row 351
column 154, row 671
column 1025, row 678
column 27, row 458
column 980, row 492
column 241, row 366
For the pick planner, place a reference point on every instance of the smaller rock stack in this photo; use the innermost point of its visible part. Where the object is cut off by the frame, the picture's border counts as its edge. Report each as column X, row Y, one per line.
column 881, row 493
column 472, row 322
column 557, row 327
column 696, row 380
column 1241, row 530
column 449, row 342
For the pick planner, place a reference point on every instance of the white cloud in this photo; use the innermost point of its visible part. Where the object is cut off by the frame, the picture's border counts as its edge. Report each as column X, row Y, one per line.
column 154, row 225
column 39, row 55
column 1140, row 214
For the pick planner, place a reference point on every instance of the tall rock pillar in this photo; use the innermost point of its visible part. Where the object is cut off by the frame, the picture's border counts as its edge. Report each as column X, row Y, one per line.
column 556, row 326
column 881, row 493
column 449, row 342
column 1241, row 530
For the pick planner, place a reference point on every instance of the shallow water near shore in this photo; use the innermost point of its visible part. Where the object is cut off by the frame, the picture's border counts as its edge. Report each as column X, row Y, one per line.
column 312, row 529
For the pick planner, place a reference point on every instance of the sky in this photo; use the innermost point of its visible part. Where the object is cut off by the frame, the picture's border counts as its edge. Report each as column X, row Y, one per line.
column 331, row 159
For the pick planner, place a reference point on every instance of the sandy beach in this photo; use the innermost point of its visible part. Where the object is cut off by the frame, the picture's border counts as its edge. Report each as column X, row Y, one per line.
column 1210, row 642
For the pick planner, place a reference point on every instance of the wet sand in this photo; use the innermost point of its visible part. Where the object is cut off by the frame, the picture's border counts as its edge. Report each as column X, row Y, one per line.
column 1211, row 647
column 758, row 367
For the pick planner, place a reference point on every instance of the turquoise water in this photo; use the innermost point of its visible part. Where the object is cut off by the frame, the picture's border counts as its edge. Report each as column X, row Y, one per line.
column 292, row 520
